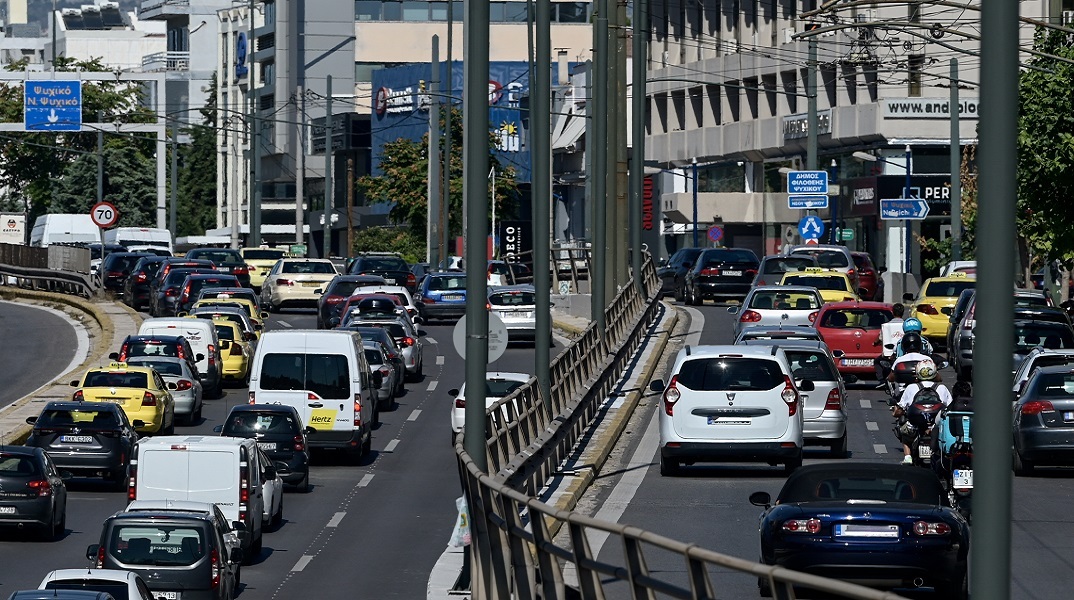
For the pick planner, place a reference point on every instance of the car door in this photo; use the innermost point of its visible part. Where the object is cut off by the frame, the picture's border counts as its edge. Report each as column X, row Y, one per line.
column 812, row 365
column 271, row 488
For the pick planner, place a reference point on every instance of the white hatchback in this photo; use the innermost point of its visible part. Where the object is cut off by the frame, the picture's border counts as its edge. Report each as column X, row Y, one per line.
column 730, row 404
column 497, row 386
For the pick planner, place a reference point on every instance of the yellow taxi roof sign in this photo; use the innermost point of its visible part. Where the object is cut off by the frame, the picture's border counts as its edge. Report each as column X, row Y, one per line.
column 117, row 365
column 958, row 275
column 814, row 270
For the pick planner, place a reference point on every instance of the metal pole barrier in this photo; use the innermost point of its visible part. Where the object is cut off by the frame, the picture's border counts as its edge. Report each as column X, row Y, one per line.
column 541, row 128
column 695, row 202
column 640, row 23
column 445, row 196
column 956, row 168
column 475, row 162
column 172, row 222
column 907, row 223
column 100, row 170
column 600, row 162
column 300, row 167
column 811, row 106
column 432, row 226
column 990, row 554
column 326, row 243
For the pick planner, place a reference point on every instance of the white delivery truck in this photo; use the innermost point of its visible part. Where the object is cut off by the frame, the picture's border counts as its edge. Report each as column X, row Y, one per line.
column 64, row 229
column 140, row 238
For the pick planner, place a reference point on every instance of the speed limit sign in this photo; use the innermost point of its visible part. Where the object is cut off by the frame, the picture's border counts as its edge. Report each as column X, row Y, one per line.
column 104, row 214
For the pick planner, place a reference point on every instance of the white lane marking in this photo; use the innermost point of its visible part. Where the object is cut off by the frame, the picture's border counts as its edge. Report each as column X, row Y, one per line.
column 872, row 426
column 414, row 415
column 336, row 518
column 440, row 359
column 302, row 562
column 866, row 403
column 391, row 446
column 365, row 480
column 880, row 448
column 430, row 340
column 285, row 324
column 432, row 386
column 697, row 325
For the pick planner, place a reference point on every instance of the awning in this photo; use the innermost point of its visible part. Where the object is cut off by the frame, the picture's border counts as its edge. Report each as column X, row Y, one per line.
column 568, row 130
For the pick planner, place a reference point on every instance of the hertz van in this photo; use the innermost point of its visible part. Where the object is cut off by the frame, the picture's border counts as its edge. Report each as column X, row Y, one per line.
column 324, row 375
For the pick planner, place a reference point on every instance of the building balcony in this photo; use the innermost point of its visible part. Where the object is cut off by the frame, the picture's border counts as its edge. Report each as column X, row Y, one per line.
column 163, row 9
column 166, row 61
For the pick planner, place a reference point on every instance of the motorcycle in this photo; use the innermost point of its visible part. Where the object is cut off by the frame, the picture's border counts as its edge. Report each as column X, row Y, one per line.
column 954, row 464
column 919, row 420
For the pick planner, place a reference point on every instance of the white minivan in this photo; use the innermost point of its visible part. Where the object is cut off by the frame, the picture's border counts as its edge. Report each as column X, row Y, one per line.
column 324, row 375
column 202, row 337
column 229, row 472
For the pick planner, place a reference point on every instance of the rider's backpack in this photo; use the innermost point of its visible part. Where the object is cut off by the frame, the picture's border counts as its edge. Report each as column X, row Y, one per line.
column 927, row 395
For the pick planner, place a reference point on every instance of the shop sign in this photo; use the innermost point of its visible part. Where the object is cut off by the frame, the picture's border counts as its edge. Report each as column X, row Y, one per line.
column 797, row 126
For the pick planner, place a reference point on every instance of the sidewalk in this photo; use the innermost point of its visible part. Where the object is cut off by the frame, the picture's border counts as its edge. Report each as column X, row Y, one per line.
column 107, row 323
column 580, row 469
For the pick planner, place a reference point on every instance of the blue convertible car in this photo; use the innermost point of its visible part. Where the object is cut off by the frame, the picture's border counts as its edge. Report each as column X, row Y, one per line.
column 882, row 525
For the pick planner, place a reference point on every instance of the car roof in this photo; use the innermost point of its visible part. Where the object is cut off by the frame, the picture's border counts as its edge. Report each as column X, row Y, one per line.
column 834, row 247
column 162, row 513
column 855, row 304
column 166, row 504
column 522, row 287
column 98, row 574
column 72, row 405
column 507, row 375
column 784, row 288
column 307, row 260
column 23, row 450
column 265, row 408
column 788, row 344
column 360, row 278
column 1055, row 369
column 60, row 595
column 121, row 367
column 199, row 441
column 693, row 352
column 153, row 336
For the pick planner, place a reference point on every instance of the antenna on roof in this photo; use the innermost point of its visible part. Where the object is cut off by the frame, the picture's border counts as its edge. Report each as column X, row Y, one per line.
column 687, row 349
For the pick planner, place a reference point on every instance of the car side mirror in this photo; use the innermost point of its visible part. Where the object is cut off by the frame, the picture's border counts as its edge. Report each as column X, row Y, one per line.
column 67, row 475
column 418, row 321
column 218, row 429
column 763, row 499
column 657, row 385
column 138, row 423
column 74, row 383
column 236, row 556
column 850, row 378
column 199, row 357
column 309, row 431
column 270, row 473
column 378, row 380
column 318, row 291
column 238, row 525
column 732, row 309
column 453, row 392
column 281, row 469
column 889, row 346
column 882, row 270
column 249, row 336
column 263, row 315
column 806, row 386
column 862, row 292
column 113, row 355
column 688, row 265
column 907, row 297
column 838, row 353
column 181, row 313
column 172, row 386
column 31, row 420
column 91, row 551
column 334, row 322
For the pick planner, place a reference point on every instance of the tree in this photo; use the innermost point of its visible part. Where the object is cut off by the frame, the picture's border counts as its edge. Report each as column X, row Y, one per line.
column 391, row 239
column 129, row 183
column 937, row 253
column 404, row 164
column 197, row 190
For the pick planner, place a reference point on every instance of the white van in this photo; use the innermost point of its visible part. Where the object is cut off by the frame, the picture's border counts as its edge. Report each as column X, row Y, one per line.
column 202, row 337
column 64, row 229
column 137, row 237
column 229, row 472
column 324, row 375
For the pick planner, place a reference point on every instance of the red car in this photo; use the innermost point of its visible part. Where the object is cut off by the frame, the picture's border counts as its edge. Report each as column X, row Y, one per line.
column 868, row 278
column 852, row 331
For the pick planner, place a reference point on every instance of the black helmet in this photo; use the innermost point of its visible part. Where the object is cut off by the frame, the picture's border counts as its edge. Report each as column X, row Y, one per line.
column 381, row 306
column 911, row 342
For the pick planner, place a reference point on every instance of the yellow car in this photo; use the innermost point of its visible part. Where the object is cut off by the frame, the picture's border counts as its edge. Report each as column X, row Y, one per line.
column 834, row 286
column 260, row 261
column 234, row 314
column 256, row 315
column 933, row 306
column 235, row 350
column 139, row 391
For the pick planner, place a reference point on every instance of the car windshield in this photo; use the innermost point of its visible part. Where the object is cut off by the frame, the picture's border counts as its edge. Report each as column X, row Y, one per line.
column 864, row 318
column 948, row 288
column 787, row 263
column 512, row 299
column 776, row 300
column 498, row 388
column 730, row 373
column 157, row 545
column 262, row 254
column 115, row 589
column 116, row 379
column 813, row 365
column 164, row 367
column 16, row 465
column 387, row 263
column 447, row 283
column 85, row 418
column 827, row 259
column 918, row 486
column 308, row 267
column 229, row 258
column 151, row 348
column 817, row 281
column 245, row 423
column 1028, row 336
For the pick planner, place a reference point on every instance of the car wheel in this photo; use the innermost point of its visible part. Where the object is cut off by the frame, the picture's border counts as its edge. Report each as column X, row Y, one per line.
column 839, row 446
column 59, row 527
column 1022, row 467
column 792, row 464
column 170, row 429
column 304, row 485
column 238, row 580
column 196, row 418
column 277, row 518
column 669, row 467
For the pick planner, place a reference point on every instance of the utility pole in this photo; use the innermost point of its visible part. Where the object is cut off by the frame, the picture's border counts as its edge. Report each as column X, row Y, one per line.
column 619, row 96
column 54, row 25
column 693, row 165
column 255, row 144
column 100, row 168
column 956, row 167
column 349, row 250
column 300, row 167
column 329, row 153
column 541, row 153
column 445, row 197
column 432, row 226
column 811, row 117
column 640, row 23
column 611, row 140
column 598, row 141
column 175, row 179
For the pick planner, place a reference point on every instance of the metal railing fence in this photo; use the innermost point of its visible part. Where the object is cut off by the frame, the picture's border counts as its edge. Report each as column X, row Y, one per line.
column 63, row 269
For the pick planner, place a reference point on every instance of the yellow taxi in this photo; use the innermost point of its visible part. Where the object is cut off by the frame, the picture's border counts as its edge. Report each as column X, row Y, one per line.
column 257, row 316
column 834, row 286
column 937, row 298
column 260, row 261
column 234, row 348
column 139, row 391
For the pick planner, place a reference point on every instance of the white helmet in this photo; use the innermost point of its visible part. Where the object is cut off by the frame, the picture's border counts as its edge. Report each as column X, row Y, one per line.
column 926, row 370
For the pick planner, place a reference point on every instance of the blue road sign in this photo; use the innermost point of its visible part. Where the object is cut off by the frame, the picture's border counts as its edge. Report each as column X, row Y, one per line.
column 52, row 105
column 807, row 182
column 811, row 227
column 807, row 201
column 911, row 209
column 715, row 233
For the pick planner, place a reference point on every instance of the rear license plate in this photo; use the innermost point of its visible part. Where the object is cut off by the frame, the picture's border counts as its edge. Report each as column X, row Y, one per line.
column 924, row 451
column 267, row 445
column 1068, row 415
column 866, row 531
column 522, row 314
column 451, row 297
column 731, row 273
column 7, row 510
column 726, row 421
column 312, row 284
column 76, row 439
column 166, row 595
column 857, row 362
column 962, row 478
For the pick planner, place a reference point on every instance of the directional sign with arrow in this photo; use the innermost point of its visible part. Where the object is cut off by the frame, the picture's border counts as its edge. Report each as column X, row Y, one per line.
column 53, row 105
column 910, row 209
column 811, row 227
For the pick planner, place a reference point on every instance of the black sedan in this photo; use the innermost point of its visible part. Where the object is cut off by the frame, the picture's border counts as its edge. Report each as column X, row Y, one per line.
column 227, row 260
column 91, row 439
column 279, row 433
column 673, row 274
column 32, row 492
column 1043, row 424
column 335, row 295
column 721, row 273
column 391, row 267
column 136, row 287
column 117, row 267
column 883, row 525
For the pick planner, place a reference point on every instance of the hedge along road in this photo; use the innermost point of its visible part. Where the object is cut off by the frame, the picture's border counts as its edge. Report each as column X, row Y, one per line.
column 36, row 345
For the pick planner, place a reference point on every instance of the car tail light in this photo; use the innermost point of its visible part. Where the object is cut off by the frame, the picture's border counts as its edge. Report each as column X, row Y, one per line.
column 813, row 316
column 926, row 528
column 244, row 491
column 183, row 385
column 488, row 306
column 236, row 349
column 710, row 271
column 790, row 396
column 834, row 401
column 185, row 295
column 1037, row 407
column 171, row 292
column 78, row 397
column 179, row 351
column 132, row 481
column 284, row 282
column 114, row 274
column 408, row 341
column 312, row 396
column 868, row 272
column 761, row 282
column 100, row 557
column 357, row 410
column 751, row 272
column 750, row 316
column 252, row 399
column 41, row 486
column 243, row 270
column 149, row 399
column 140, row 278
column 214, row 561
column 671, row 396
column 299, row 444
column 460, row 402
column 802, row 526
column 410, row 279
column 333, row 299
column 927, row 309
column 212, row 354
column 851, row 273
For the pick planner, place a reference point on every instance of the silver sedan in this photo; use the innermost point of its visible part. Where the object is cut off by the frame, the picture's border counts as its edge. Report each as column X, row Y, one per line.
column 777, row 305
column 187, row 392
column 405, row 336
column 379, row 363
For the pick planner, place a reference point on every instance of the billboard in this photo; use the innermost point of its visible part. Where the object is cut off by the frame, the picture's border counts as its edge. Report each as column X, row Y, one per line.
column 12, row 228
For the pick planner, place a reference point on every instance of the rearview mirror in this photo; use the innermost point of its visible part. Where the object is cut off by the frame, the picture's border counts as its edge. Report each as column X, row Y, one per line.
column 453, row 392
column 862, row 292
column 657, row 385
column 732, row 309
column 113, row 355
column 907, row 297
column 378, row 380
column 838, row 353
column 270, row 473
column 850, row 378
column 91, row 551
column 218, row 429
column 199, row 357
column 309, row 431
column 74, row 383
column 237, row 555
column 761, row 499
column 182, row 313
column 225, row 344
column 318, row 291
column 249, row 336
column 138, row 423
column 263, row 315
column 238, row 525
column 31, row 420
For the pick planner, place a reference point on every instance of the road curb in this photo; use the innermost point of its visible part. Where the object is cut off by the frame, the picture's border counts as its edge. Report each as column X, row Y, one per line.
column 602, row 445
column 572, row 331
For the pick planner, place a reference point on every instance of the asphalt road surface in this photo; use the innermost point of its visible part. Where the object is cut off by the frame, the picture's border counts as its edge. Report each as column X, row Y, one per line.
column 37, row 346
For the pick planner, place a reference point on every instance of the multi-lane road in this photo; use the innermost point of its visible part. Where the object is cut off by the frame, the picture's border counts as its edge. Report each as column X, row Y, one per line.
column 37, row 346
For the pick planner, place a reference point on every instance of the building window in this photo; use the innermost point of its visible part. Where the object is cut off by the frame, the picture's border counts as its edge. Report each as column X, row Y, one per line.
column 268, row 73
column 572, row 12
column 914, row 65
column 365, row 10
column 393, row 11
column 496, row 12
column 439, row 11
column 516, row 12
column 270, row 13
column 415, row 11
column 722, row 178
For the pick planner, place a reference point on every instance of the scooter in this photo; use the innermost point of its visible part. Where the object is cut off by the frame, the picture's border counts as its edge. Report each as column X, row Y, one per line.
column 954, row 446
column 922, row 416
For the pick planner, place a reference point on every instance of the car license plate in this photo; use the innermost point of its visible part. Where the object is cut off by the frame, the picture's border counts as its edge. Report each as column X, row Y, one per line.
column 451, row 297
column 924, row 451
column 7, row 510
column 76, row 439
column 963, row 478
column 857, row 362
column 731, row 273
column 166, row 595
column 1068, row 415
column 726, row 421
column 523, row 314
column 866, row 531
column 312, row 284
column 267, row 445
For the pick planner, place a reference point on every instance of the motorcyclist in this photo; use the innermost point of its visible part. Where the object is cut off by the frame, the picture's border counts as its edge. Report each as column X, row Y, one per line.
column 913, row 325
column 913, row 346
column 927, row 377
column 890, row 334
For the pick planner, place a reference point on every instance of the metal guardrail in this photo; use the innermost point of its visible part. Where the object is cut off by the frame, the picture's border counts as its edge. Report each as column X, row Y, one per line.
column 513, row 553
column 49, row 280
column 63, row 269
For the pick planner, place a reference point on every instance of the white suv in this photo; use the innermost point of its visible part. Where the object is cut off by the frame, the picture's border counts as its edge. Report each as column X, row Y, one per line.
column 730, row 403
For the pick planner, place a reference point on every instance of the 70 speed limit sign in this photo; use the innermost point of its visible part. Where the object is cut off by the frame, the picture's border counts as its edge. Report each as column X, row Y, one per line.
column 104, row 214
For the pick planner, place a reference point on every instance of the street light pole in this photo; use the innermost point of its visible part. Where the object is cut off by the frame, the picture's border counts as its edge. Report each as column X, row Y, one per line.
column 834, row 238
column 909, row 231
column 956, row 167
column 694, row 162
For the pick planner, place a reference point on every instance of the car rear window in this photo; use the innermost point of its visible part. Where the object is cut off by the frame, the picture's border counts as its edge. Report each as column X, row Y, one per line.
column 862, row 261
column 947, row 288
column 394, row 329
column 860, row 484
column 219, row 257
column 813, row 365
column 769, row 300
column 115, row 589
column 133, row 379
column 262, row 254
column 176, row 276
column 246, row 423
column 197, row 285
column 341, row 288
column 224, row 332
column 326, row 375
column 382, row 264
column 780, row 335
column 15, row 465
column 164, row 367
column 787, row 263
column 1052, row 360
column 817, row 281
column 828, row 259
column 314, row 268
column 84, row 418
column 716, row 257
column 157, row 545
column 375, row 333
column 865, row 318
column 1030, row 300
column 498, row 388
column 447, row 283
column 1029, row 336
column 513, row 299
column 120, row 262
column 151, row 348
column 731, row 374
